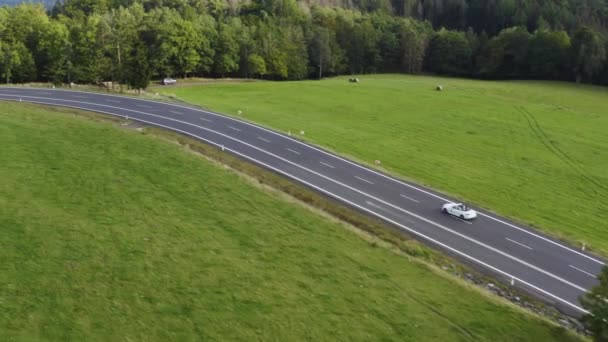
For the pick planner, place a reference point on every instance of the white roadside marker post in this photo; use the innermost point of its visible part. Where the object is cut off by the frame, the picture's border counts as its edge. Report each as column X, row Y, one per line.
column 512, row 282
column 583, row 248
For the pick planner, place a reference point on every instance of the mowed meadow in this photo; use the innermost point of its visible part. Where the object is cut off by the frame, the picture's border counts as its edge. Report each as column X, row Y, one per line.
column 530, row 150
column 109, row 234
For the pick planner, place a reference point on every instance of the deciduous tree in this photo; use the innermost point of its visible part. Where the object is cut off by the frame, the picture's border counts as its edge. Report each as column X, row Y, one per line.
column 320, row 49
column 450, row 53
column 588, row 54
column 596, row 302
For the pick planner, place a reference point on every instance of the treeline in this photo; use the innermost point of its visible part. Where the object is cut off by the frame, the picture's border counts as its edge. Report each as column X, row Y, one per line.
column 131, row 42
column 492, row 16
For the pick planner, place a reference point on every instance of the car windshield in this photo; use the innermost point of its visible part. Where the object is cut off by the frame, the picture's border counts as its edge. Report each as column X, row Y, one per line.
column 463, row 207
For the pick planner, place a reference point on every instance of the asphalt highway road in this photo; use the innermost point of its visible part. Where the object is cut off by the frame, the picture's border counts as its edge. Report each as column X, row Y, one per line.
column 551, row 270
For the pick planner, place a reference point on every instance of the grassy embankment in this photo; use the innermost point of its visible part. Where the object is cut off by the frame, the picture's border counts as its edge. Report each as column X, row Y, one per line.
column 114, row 235
column 533, row 151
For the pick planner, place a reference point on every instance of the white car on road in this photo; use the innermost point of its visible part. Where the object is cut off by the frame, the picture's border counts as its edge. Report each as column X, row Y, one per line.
column 168, row 81
column 459, row 210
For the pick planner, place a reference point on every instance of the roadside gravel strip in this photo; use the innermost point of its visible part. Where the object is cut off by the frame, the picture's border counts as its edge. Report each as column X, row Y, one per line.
column 551, row 270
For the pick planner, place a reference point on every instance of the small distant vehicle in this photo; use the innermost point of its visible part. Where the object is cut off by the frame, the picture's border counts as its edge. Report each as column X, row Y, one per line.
column 459, row 210
column 168, row 81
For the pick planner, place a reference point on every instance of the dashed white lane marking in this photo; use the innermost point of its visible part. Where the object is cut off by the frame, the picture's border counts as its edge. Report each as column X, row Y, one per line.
column 266, row 140
column 587, row 273
column 330, row 166
column 292, row 151
column 206, row 120
column 113, row 101
column 80, row 97
column 363, row 179
column 521, row 244
column 143, row 106
column 234, row 128
column 176, row 112
column 409, row 198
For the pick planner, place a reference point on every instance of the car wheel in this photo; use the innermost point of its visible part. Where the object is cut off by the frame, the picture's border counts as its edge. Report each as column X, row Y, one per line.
column 462, row 217
column 444, row 210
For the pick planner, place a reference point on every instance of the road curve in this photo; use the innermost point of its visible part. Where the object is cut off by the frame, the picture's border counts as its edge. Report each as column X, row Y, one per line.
column 551, row 270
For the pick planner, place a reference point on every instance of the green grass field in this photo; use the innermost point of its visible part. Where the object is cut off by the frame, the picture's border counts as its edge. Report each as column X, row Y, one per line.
column 534, row 151
column 109, row 234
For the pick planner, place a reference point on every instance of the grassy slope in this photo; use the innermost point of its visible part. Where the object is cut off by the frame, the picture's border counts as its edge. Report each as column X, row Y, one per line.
column 110, row 234
column 474, row 139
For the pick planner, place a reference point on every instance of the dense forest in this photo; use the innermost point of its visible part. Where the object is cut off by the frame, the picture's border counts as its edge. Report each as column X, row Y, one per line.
column 133, row 41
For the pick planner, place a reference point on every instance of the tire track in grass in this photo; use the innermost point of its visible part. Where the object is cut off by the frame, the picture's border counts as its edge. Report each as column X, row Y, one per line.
column 577, row 164
column 560, row 154
column 550, row 146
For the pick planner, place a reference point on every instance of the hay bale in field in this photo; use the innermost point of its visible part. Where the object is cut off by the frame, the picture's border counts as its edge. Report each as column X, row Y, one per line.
column 439, row 88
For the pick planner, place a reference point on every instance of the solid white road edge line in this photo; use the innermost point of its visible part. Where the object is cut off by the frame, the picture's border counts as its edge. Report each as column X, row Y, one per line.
column 519, row 243
column 346, row 186
column 333, row 156
column 331, row 194
column 587, row 273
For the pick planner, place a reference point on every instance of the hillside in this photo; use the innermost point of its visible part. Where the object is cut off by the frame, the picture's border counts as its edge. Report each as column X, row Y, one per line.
column 109, row 234
column 533, row 151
